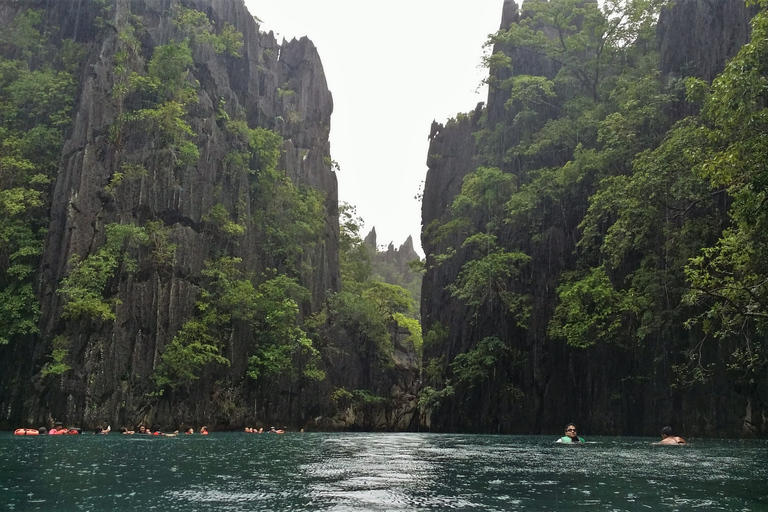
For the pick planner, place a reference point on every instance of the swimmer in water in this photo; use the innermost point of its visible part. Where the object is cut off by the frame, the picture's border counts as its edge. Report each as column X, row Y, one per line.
column 570, row 435
column 667, row 437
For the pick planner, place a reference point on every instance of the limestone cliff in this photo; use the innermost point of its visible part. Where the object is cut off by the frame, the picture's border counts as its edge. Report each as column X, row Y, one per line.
column 696, row 38
column 543, row 383
column 279, row 86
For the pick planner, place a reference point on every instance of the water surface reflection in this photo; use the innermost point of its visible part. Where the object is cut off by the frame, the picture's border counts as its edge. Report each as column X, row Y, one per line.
column 377, row 472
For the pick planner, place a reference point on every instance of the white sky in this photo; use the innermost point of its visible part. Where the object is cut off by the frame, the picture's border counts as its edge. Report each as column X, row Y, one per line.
column 393, row 67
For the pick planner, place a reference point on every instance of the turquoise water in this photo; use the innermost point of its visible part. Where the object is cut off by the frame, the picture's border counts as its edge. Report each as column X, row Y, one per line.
column 381, row 472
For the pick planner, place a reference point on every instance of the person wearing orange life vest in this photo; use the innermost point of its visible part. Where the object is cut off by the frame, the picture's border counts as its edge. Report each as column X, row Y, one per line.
column 58, row 429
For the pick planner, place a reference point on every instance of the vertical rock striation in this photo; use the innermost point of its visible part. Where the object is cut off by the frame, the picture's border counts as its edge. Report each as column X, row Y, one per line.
column 112, row 361
column 556, row 383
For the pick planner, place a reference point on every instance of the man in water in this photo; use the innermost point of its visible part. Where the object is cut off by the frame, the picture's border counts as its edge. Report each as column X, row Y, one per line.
column 667, row 437
column 570, row 435
column 58, row 429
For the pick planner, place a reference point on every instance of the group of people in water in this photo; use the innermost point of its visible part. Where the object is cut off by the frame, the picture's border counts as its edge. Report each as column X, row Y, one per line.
column 59, row 429
column 272, row 430
column 571, row 435
column 148, row 431
column 667, row 436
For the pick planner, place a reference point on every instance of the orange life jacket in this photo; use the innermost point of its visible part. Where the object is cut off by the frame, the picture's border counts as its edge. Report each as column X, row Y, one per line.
column 26, row 432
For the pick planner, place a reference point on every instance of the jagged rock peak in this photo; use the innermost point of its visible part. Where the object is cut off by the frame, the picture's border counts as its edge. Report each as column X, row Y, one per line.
column 407, row 250
column 370, row 238
column 509, row 14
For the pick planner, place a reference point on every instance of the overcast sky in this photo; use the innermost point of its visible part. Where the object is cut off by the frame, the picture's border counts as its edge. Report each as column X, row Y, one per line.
column 393, row 67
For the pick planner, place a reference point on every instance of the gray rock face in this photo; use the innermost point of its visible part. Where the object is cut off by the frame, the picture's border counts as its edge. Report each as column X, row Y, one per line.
column 114, row 360
column 451, row 157
column 696, row 37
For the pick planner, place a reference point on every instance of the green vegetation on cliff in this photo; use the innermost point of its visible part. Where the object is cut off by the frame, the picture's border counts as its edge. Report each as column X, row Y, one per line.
column 599, row 222
column 37, row 87
column 166, row 252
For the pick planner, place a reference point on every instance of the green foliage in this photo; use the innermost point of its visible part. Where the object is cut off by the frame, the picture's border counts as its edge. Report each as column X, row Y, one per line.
column 431, row 399
column 728, row 278
column 163, row 252
column 477, row 365
column 490, row 277
column 361, row 319
column 414, row 328
column 161, row 92
column 388, row 299
column 281, row 341
column 265, row 145
column 528, row 94
column 190, row 350
column 19, row 309
column 281, row 346
column 37, row 86
column 262, row 147
column 591, row 311
column 485, row 191
column 341, row 396
column 130, row 172
column 169, row 67
column 220, row 218
column 436, row 336
column 480, row 280
column 354, row 255
column 368, row 308
column 358, row 397
column 59, row 352
column 285, row 91
column 23, row 35
column 290, row 218
column 196, row 26
column 83, row 289
column 586, row 40
column 366, row 397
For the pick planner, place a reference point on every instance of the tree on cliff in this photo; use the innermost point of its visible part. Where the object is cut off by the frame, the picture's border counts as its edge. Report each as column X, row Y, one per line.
column 156, row 249
column 730, row 277
column 632, row 228
column 37, row 87
column 372, row 321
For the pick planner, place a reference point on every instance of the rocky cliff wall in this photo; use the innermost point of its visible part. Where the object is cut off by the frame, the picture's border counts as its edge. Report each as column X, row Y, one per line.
column 697, row 37
column 275, row 85
column 555, row 382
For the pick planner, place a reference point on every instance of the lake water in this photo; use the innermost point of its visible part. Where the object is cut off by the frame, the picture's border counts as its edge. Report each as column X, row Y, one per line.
column 378, row 472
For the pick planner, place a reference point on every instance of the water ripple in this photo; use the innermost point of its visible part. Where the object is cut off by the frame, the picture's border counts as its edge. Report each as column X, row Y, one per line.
column 376, row 472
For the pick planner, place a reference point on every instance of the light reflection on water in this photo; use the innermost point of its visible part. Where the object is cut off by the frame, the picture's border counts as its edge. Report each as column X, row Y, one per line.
column 377, row 472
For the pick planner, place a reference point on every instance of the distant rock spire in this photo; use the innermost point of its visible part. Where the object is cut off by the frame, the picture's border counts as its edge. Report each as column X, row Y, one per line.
column 407, row 252
column 370, row 239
